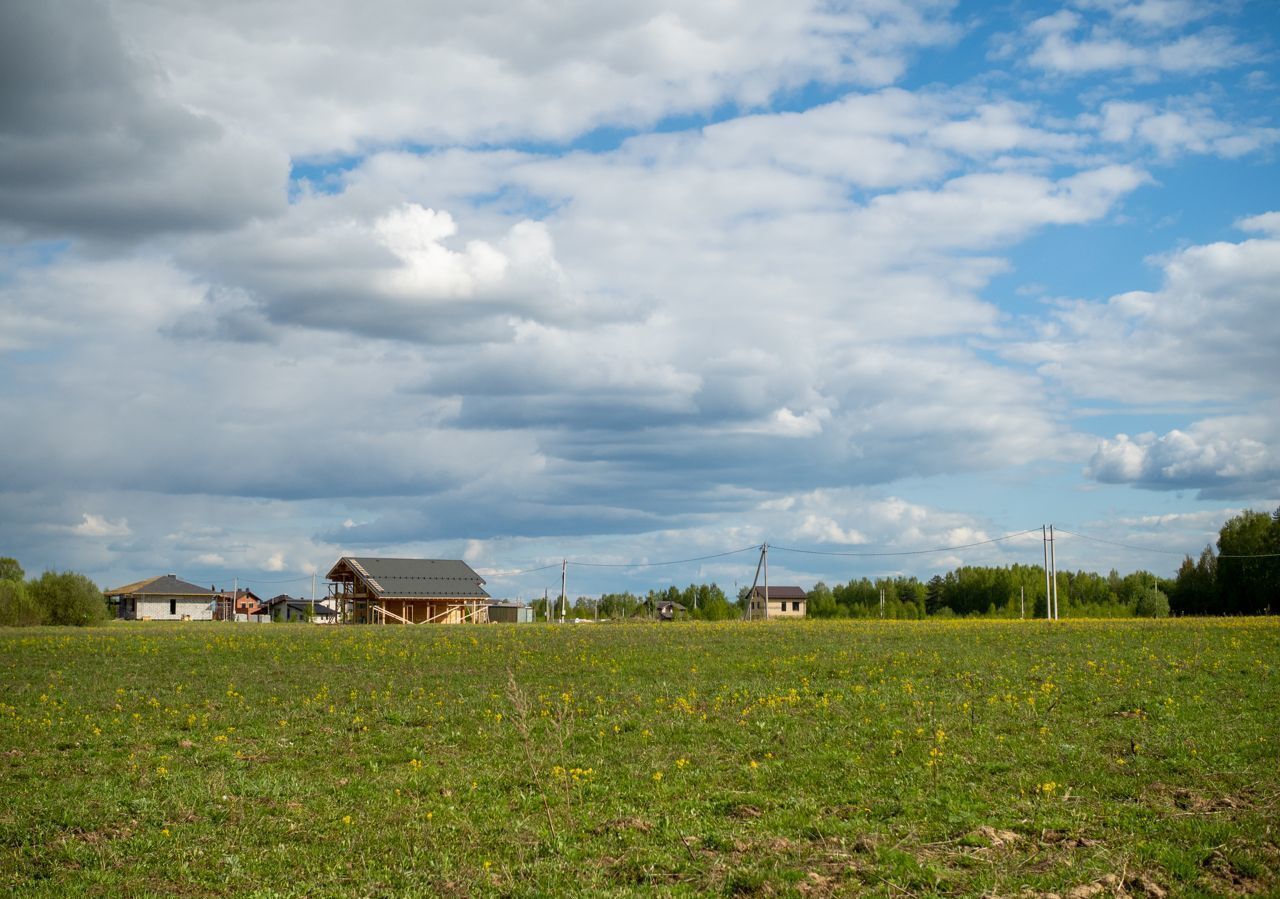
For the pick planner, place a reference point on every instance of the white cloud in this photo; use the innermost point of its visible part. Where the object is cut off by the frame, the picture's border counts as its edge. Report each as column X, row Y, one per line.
column 1267, row 223
column 1206, row 335
column 100, row 526
column 1181, row 126
column 346, row 75
column 1146, row 39
column 1218, row 456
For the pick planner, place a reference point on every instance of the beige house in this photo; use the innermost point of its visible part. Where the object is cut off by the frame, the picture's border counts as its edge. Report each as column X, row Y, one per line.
column 783, row 602
column 163, row 598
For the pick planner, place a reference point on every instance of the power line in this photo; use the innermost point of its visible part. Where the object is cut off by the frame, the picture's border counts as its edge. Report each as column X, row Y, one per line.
column 911, row 552
column 1145, row 549
column 288, row 580
column 732, row 552
column 526, row 571
column 1166, row 552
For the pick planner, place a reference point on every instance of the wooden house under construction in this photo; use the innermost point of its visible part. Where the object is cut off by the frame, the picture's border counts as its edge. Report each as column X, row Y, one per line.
column 407, row 591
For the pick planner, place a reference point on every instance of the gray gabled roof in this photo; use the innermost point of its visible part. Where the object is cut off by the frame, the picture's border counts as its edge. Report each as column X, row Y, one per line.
column 415, row 578
column 164, row 585
column 780, row 592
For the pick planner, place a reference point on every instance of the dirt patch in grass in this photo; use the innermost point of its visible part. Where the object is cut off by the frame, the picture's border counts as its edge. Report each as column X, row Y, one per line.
column 1109, row 886
column 640, row 825
column 1231, row 873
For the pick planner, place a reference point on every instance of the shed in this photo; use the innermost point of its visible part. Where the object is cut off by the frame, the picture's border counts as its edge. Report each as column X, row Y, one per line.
column 510, row 613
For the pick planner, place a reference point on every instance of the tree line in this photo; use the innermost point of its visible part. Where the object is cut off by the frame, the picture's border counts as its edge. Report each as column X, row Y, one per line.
column 52, row 598
column 1241, row 578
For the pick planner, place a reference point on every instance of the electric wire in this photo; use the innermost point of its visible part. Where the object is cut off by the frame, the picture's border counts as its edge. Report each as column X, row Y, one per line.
column 910, row 552
column 1167, row 552
column 506, row 574
column 731, row 552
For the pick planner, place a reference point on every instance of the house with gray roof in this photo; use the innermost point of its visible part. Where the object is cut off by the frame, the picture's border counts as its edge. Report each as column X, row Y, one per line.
column 778, row 602
column 290, row 608
column 369, row 590
column 163, row 598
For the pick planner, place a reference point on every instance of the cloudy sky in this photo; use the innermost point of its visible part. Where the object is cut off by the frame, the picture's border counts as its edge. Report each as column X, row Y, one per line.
column 517, row 282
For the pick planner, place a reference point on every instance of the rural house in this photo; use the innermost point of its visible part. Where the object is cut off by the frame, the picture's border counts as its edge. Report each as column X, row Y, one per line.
column 163, row 598
column 290, row 608
column 407, row 591
column 246, row 603
column 784, row 602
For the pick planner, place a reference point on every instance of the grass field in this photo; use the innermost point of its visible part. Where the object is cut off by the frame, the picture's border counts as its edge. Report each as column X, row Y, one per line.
column 806, row 758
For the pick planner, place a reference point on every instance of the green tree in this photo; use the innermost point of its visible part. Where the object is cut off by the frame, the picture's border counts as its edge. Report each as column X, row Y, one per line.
column 10, row 570
column 1152, row 603
column 17, row 607
column 68, row 598
column 822, row 602
column 934, row 594
column 1195, row 591
column 1248, row 577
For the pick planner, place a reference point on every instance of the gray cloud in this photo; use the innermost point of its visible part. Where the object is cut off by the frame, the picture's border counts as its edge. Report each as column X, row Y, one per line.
column 90, row 145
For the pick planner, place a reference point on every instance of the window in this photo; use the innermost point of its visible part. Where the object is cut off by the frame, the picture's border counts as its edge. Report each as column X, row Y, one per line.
column 795, row 606
column 173, row 607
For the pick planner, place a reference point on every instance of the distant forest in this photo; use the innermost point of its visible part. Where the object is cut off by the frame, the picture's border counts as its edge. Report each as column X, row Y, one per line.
column 1241, row 578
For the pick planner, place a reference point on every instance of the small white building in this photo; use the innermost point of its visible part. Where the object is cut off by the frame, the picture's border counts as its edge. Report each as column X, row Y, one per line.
column 163, row 598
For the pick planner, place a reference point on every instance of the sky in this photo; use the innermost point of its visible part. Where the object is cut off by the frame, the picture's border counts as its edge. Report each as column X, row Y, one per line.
column 635, row 283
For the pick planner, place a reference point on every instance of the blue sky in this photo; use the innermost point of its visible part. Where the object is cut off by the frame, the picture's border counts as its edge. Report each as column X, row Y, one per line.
column 280, row 283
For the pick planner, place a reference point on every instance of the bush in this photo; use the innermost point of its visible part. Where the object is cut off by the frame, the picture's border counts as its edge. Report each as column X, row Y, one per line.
column 1152, row 604
column 10, row 570
column 68, row 598
column 17, row 607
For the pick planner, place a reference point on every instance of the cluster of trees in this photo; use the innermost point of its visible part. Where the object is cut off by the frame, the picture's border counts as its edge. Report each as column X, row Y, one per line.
column 1243, row 578
column 51, row 598
column 703, row 602
column 1013, row 591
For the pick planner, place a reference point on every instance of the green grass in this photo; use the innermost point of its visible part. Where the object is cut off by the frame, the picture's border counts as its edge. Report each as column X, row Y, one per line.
column 806, row 758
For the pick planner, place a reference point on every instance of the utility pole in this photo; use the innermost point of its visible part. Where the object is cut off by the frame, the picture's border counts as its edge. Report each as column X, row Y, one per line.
column 564, row 597
column 235, row 593
column 1022, row 601
column 751, row 597
column 882, row 602
column 1053, row 564
column 1048, row 596
column 766, row 579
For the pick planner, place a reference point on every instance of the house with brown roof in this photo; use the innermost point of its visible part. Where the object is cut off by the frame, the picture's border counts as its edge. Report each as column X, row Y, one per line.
column 247, row 603
column 777, row 602
column 367, row 590
column 163, row 598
